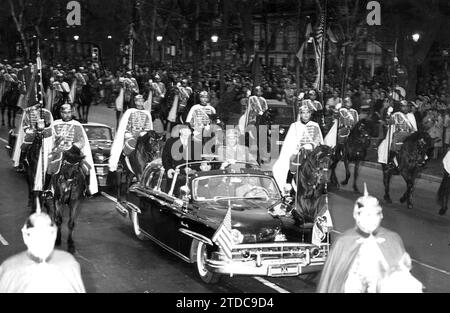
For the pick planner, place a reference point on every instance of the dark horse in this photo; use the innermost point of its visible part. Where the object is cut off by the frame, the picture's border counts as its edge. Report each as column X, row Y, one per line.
column 412, row 158
column 148, row 148
column 83, row 102
column 69, row 185
column 31, row 164
column 310, row 175
column 444, row 193
column 353, row 149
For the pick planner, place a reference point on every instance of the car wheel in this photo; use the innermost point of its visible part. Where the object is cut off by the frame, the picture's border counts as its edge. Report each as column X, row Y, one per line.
column 137, row 230
column 206, row 275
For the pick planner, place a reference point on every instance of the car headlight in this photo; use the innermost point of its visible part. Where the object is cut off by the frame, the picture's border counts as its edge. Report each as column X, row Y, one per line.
column 100, row 157
column 237, row 236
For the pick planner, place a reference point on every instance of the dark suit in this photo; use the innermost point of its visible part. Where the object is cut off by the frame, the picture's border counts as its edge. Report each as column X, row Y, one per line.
column 174, row 152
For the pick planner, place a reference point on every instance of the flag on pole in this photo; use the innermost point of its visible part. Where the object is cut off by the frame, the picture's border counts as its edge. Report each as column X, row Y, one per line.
column 301, row 51
column 223, row 237
column 322, row 225
column 320, row 51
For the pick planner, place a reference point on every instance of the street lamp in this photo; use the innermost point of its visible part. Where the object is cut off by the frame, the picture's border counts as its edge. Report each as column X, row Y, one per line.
column 109, row 37
column 416, row 37
column 214, row 39
column 159, row 39
column 76, row 37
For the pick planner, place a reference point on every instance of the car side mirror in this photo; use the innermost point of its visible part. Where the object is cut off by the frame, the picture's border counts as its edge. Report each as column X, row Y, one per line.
column 185, row 193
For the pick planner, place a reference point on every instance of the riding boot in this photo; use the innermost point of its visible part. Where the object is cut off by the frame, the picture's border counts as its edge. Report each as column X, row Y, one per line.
column 87, row 181
column 47, row 193
column 21, row 167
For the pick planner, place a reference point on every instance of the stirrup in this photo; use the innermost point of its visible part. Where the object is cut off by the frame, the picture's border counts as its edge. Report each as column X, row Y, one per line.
column 47, row 194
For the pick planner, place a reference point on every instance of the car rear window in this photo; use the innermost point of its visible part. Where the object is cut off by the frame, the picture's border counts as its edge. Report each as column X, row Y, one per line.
column 98, row 133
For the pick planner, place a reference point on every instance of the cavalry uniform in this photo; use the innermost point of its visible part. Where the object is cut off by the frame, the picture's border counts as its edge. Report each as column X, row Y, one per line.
column 133, row 123
column 199, row 114
column 156, row 94
column 302, row 136
column 78, row 83
column 257, row 105
column 180, row 102
column 67, row 134
column 28, row 130
column 401, row 126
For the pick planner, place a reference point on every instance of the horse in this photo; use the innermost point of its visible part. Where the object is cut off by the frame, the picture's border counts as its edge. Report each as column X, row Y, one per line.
column 31, row 162
column 310, row 176
column 412, row 158
column 444, row 193
column 69, row 185
column 354, row 149
column 148, row 148
column 83, row 102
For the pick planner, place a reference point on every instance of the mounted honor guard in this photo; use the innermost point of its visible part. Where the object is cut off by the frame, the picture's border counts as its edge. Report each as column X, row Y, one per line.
column 70, row 136
column 345, row 119
column 183, row 94
column 59, row 94
column 35, row 120
column 256, row 107
column 199, row 115
column 156, row 95
column 303, row 137
column 79, row 81
column 129, row 88
column 401, row 124
column 316, row 106
column 134, row 123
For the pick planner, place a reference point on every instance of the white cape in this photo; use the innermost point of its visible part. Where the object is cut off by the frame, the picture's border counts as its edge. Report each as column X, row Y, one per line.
column 93, row 185
column 383, row 148
column 119, row 139
column 331, row 138
column 290, row 146
column 446, row 162
column 18, row 144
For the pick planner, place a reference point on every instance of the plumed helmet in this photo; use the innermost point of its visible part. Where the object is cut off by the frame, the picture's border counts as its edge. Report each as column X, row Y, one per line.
column 204, row 94
column 306, row 106
column 365, row 201
column 233, row 132
column 66, row 108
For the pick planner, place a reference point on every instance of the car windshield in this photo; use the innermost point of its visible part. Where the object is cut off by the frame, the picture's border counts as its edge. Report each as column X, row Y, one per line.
column 283, row 115
column 235, row 187
column 98, row 133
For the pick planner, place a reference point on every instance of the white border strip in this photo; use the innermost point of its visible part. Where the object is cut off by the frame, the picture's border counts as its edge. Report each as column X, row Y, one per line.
column 415, row 261
column 3, row 241
column 260, row 279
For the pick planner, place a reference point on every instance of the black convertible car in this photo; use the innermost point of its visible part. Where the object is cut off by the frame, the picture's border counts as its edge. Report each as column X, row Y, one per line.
column 100, row 138
column 183, row 215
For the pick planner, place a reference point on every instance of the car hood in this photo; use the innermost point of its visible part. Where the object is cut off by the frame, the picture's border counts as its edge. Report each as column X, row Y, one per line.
column 250, row 216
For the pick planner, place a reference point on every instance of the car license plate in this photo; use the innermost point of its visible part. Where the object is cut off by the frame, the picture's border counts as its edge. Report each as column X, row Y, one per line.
column 283, row 270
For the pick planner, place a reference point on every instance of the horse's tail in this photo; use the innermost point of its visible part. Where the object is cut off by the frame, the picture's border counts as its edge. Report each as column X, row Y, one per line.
column 444, row 188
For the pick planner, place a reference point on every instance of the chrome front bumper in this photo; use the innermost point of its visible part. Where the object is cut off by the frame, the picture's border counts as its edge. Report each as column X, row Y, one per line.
column 273, row 260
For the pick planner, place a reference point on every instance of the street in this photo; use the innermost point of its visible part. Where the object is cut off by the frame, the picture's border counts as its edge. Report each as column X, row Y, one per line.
column 113, row 260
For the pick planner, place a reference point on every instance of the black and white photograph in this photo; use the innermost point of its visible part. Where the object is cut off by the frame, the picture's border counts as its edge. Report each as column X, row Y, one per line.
column 225, row 153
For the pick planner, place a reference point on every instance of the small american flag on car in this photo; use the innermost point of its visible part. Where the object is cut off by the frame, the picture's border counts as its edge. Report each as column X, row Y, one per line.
column 223, row 237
